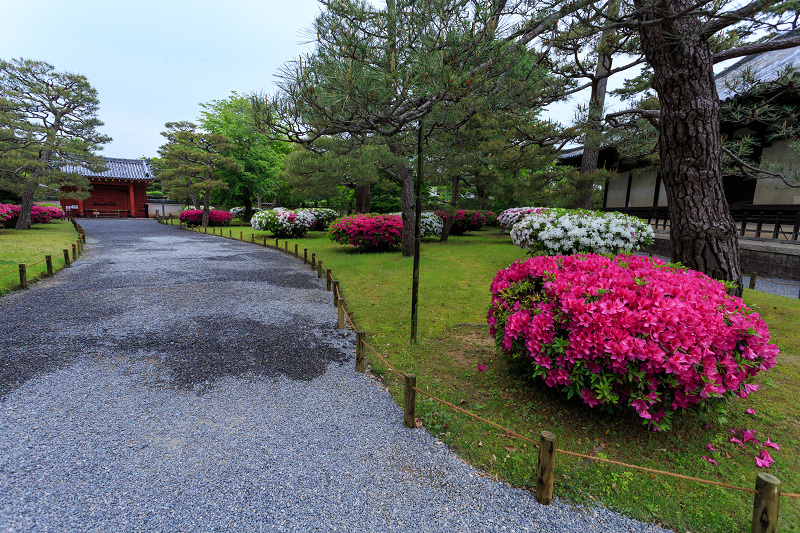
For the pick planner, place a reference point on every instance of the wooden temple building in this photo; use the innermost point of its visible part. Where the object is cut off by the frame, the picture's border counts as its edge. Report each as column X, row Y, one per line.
column 120, row 191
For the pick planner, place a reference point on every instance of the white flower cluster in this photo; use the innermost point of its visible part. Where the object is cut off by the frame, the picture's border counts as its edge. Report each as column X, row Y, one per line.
column 563, row 232
column 430, row 224
column 322, row 214
column 237, row 211
column 509, row 217
column 282, row 222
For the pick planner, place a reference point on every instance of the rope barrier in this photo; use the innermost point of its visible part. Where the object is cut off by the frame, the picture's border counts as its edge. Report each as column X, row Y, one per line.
column 10, row 272
column 390, row 367
column 39, row 263
column 778, row 282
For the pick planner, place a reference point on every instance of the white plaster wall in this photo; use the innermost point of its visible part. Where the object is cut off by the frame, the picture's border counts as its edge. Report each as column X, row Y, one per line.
column 643, row 188
column 772, row 190
column 617, row 187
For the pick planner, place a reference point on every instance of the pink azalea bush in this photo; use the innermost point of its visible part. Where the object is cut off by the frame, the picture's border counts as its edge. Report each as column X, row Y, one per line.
column 215, row 217
column 491, row 218
column 368, row 232
column 629, row 331
column 463, row 221
column 40, row 214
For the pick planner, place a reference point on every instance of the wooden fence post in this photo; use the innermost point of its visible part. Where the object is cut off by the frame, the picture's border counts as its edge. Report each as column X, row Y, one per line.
column 23, row 275
column 241, row 236
column 66, row 257
column 753, row 276
column 765, row 504
column 305, row 256
column 265, row 241
column 277, row 244
column 546, row 470
column 410, row 402
column 335, row 293
column 313, row 261
column 340, row 314
column 319, row 269
column 295, row 251
column 48, row 259
column 74, row 252
column 286, row 247
column 253, row 238
column 360, row 363
column 328, row 279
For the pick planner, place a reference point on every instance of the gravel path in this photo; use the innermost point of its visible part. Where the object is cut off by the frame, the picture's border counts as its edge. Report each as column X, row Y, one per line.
column 172, row 381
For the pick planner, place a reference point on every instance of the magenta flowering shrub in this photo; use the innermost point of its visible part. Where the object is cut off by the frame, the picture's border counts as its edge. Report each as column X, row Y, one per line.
column 40, row 214
column 215, row 217
column 491, row 218
column 463, row 221
column 629, row 331
column 368, row 232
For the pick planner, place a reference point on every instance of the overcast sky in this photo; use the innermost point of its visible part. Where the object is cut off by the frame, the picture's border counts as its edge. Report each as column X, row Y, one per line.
column 154, row 62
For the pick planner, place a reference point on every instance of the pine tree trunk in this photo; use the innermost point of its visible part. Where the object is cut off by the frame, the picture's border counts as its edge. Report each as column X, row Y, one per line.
column 26, row 202
column 363, row 199
column 702, row 232
column 408, row 204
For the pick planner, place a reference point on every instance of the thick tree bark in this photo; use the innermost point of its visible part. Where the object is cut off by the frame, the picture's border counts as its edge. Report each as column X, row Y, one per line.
column 26, row 202
column 363, row 199
column 702, row 232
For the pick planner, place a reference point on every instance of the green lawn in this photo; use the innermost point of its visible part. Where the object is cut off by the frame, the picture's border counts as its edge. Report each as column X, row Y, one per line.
column 30, row 247
column 453, row 339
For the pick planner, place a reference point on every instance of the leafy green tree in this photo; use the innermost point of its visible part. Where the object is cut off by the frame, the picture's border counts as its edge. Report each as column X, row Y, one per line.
column 260, row 158
column 48, row 120
column 193, row 161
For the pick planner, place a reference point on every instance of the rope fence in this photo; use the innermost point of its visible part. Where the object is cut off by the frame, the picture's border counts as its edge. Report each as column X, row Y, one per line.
column 767, row 491
column 77, row 249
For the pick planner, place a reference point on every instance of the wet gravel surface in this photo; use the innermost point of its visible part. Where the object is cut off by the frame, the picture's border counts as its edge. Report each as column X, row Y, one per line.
column 172, row 381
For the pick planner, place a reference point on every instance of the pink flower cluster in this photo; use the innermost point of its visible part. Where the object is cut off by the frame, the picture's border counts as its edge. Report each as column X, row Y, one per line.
column 215, row 217
column 629, row 331
column 40, row 214
column 491, row 218
column 464, row 221
column 368, row 232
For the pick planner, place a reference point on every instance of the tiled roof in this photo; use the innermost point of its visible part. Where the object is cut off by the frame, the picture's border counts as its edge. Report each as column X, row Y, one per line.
column 124, row 169
column 764, row 67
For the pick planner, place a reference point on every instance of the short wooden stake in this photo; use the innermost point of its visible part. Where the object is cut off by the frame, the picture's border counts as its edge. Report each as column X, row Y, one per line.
column 80, row 248
column 319, row 269
column 313, row 261
column 213, row 231
column 753, row 277
column 335, row 293
column 48, row 259
column 230, row 234
column 546, row 471
column 295, row 251
column 265, row 242
column 74, row 252
column 360, row 362
column 252, row 238
column 23, row 276
column 340, row 314
column 765, row 504
column 328, row 279
column 410, row 402
column 83, row 238
column 286, row 247
column 277, row 245
column 66, row 257
column 305, row 256
column 205, row 230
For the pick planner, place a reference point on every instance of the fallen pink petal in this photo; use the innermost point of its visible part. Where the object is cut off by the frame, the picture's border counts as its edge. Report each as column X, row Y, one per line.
column 751, row 411
column 481, row 368
column 710, row 447
column 737, row 441
column 749, row 436
column 772, row 445
column 764, row 460
column 712, row 461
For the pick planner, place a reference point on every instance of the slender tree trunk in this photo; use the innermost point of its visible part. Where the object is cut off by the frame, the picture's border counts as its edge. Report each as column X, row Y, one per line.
column 451, row 212
column 206, row 206
column 702, row 232
column 593, row 138
column 404, row 177
column 248, row 208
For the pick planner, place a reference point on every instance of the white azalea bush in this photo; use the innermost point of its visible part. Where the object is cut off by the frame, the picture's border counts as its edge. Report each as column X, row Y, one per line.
column 323, row 215
column 283, row 223
column 509, row 217
column 430, row 224
column 570, row 231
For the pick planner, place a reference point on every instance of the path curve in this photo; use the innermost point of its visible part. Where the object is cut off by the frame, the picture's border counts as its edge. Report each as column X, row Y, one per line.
column 173, row 381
